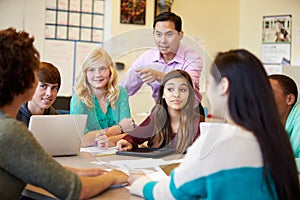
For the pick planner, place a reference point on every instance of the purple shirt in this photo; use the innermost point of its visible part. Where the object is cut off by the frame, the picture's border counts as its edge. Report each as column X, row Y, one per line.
column 185, row 59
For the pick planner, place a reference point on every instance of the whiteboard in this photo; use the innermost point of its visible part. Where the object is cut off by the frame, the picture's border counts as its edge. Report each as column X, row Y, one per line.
column 61, row 54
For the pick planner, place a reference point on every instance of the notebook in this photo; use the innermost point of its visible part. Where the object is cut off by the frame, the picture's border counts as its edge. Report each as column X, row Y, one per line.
column 59, row 135
column 147, row 152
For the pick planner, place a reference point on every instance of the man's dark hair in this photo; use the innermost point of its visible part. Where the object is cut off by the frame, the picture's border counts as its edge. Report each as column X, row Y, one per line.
column 169, row 16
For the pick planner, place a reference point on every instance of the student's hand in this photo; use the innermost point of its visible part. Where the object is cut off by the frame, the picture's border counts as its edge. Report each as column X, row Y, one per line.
column 134, row 175
column 101, row 140
column 118, row 176
column 124, row 145
column 127, row 124
column 87, row 171
column 149, row 75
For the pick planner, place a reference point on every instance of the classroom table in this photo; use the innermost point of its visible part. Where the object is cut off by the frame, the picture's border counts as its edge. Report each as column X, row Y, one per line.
column 83, row 160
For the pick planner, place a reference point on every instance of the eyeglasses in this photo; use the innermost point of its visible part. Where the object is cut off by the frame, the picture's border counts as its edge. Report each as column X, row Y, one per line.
column 99, row 69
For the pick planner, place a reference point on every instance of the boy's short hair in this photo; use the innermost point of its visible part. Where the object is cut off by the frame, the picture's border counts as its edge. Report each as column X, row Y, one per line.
column 48, row 73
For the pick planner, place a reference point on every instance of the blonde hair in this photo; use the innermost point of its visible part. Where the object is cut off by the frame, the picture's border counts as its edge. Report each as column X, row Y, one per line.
column 82, row 87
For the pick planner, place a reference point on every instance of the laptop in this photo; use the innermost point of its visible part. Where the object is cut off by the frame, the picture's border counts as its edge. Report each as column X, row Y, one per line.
column 59, row 135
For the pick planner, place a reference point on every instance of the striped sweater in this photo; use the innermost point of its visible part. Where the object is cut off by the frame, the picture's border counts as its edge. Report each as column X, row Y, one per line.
column 225, row 162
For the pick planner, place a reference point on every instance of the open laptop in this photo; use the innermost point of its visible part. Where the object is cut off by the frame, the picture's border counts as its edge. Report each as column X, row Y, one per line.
column 59, row 135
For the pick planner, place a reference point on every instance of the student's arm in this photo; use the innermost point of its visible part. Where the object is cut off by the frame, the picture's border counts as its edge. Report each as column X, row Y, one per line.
column 89, row 138
column 139, row 135
column 113, row 133
column 87, row 171
column 149, row 75
column 131, row 80
column 92, row 186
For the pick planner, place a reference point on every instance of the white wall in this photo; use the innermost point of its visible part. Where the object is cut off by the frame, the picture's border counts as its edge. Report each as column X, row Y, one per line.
column 220, row 24
column 25, row 15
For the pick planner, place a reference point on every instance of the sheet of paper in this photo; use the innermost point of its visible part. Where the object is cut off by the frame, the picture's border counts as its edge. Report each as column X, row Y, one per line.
column 139, row 163
column 96, row 151
column 155, row 175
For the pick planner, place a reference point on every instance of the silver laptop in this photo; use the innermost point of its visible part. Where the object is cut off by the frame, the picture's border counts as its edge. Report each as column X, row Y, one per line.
column 59, row 135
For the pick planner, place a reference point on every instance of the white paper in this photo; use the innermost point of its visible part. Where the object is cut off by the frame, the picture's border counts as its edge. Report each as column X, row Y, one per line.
column 82, row 50
column 74, row 19
column 87, row 6
column 97, row 35
column 96, row 151
column 61, row 54
column 50, row 17
column 51, row 4
column 49, row 31
column 61, row 32
column 75, row 5
column 63, row 4
column 73, row 33
column 86, row 20
column 85, row 34
column 62, row 18
column 98, row 6
column 126, row 165
column 98, row 21
column 156, row 175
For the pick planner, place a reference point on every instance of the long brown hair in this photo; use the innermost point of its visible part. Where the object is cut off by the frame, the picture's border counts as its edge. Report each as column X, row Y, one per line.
column 162, row 122
column 251, row 105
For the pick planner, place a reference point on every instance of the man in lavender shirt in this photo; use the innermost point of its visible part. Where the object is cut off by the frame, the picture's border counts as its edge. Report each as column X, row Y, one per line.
column 169, row 54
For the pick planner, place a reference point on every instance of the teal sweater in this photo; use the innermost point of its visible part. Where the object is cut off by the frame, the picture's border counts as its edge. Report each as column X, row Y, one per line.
column 97, row 120
column 292, row 127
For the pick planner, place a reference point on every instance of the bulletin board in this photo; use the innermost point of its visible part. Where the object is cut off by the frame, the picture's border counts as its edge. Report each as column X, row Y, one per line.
column 72, row 29
column 77, row 20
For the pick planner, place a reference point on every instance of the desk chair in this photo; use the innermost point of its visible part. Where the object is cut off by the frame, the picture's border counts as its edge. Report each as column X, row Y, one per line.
column 62, row 104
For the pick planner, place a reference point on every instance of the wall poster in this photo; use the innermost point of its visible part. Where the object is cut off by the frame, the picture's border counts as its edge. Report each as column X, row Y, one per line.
column 133, row 12
column 162, row 6
column 276, row 40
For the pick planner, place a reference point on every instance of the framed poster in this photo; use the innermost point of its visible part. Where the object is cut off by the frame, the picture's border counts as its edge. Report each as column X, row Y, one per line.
column 133, row 12
column 162, row 6
column 276, row 39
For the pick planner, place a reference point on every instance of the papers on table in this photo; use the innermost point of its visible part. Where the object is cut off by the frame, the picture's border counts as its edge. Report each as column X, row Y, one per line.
column 96, row 151
column 136, row 164
column 150, row 166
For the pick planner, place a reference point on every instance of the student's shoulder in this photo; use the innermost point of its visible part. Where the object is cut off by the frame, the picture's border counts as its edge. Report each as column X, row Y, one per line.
column 123, row 91
column 11, row 126
column 297, row 106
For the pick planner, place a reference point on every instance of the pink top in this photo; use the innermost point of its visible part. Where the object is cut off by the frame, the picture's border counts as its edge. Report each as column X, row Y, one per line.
column 185, row 59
